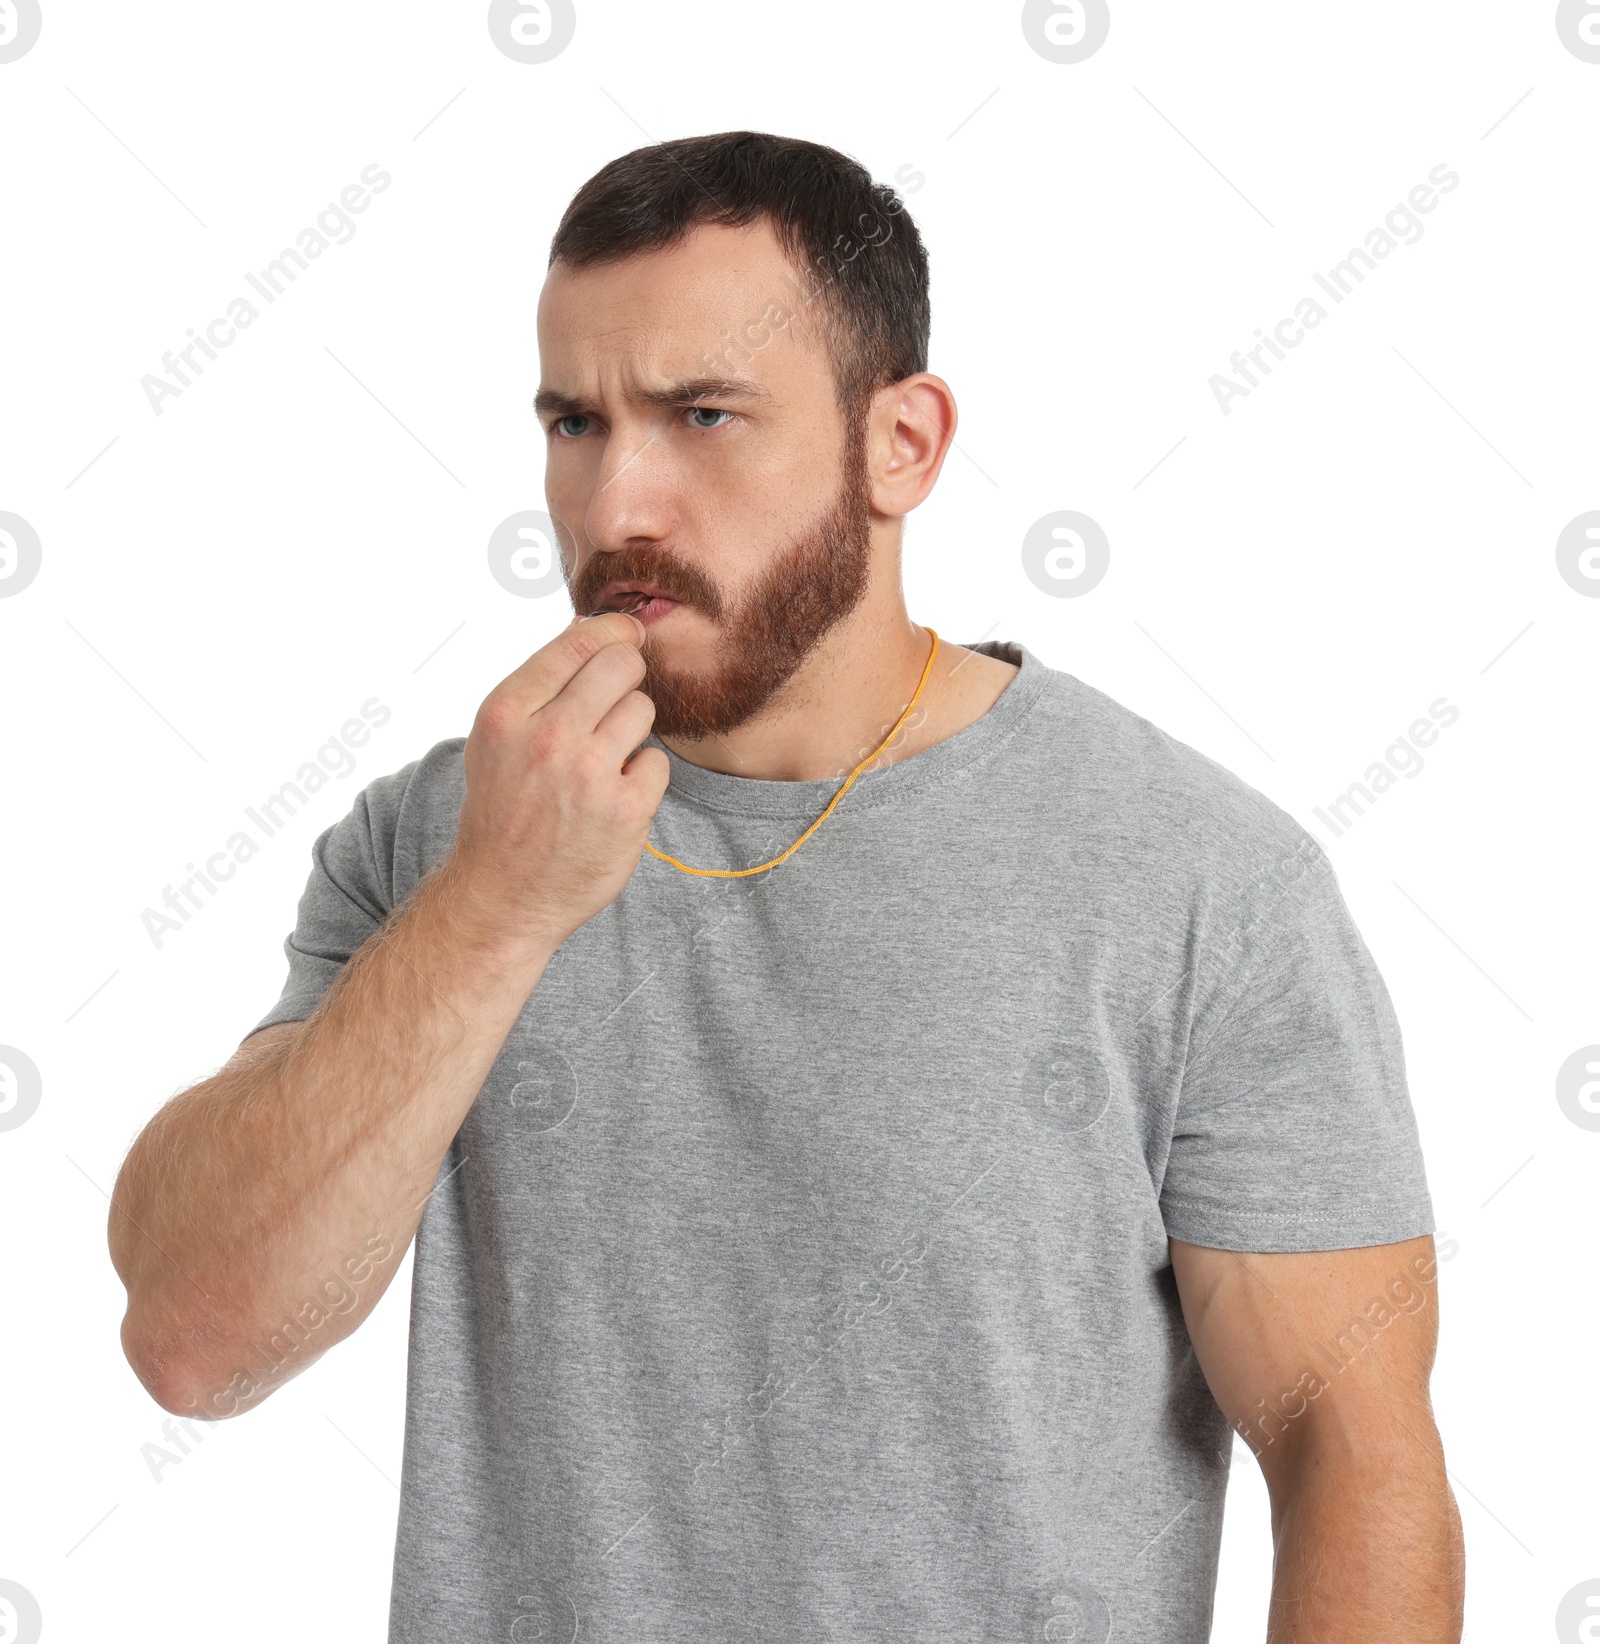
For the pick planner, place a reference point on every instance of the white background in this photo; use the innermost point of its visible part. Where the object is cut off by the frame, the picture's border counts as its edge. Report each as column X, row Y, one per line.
column 305, row 528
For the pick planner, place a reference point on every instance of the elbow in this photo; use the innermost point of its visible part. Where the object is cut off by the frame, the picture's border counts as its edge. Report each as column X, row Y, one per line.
column 161, row 1371
column 181, row 1380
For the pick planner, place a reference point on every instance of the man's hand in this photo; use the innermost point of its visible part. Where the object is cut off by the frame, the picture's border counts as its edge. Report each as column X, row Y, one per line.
column 554, row 821
column 1321, row 1364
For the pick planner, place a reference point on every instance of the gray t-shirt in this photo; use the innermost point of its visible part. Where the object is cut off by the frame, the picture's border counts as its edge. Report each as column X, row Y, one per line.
column 801, row 1271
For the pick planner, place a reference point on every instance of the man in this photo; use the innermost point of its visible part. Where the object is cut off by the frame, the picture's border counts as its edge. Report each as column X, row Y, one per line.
column 870, row 1240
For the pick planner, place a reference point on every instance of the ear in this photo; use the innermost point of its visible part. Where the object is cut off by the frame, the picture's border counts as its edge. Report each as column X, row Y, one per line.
column 911, row 426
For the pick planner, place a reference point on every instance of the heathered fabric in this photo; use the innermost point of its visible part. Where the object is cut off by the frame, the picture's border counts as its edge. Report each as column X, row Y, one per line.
column 801, row 1271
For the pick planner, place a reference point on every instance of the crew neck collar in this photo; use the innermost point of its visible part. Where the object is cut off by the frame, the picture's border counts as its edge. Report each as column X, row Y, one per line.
column 752, row 796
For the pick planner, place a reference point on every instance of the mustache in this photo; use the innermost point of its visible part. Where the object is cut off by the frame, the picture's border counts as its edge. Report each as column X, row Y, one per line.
column 679, row 579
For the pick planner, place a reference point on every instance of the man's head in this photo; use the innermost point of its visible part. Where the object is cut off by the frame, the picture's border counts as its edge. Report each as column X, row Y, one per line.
column 724, row 332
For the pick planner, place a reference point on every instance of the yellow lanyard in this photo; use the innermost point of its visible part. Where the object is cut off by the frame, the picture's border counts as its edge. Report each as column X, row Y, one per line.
column 744, row 873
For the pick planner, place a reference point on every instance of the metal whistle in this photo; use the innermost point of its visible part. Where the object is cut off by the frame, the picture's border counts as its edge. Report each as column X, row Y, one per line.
column 624, row 610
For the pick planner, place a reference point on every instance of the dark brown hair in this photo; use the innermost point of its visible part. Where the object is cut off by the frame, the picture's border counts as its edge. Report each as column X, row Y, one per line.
column 860, row 264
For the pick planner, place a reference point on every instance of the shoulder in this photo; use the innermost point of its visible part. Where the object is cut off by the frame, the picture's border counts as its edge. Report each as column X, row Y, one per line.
column 1164, row 805
column 421, row 787
column 1186, row 860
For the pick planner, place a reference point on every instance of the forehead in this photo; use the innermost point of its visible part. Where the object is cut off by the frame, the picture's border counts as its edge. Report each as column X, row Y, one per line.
column 719, row 292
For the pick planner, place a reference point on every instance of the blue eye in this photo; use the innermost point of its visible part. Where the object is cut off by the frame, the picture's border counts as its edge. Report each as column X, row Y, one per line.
column 566, row 432
column 708, row 411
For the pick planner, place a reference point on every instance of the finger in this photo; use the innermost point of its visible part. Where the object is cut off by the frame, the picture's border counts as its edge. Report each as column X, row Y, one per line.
column 597, row 687
column 625, row 726
column 650, row 771
column 619, row 624
column 546, row 673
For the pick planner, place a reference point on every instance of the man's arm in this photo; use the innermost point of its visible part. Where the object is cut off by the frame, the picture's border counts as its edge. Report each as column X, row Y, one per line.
column 260, row 1215
column 1321, row 1363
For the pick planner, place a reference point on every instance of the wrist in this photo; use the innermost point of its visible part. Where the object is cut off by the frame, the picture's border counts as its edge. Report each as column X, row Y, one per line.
column 486, row 942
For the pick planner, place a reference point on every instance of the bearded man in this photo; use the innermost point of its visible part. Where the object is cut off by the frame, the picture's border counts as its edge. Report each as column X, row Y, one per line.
column 872, row 1111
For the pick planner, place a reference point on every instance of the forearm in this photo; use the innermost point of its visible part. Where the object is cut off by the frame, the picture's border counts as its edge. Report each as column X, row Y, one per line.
column 1368, row 1544
column 260, row 1216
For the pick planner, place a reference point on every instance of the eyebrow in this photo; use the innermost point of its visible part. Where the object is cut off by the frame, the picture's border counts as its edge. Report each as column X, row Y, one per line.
column 686, row 391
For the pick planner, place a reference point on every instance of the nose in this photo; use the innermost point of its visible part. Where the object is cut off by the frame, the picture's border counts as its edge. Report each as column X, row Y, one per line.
column 632, row 497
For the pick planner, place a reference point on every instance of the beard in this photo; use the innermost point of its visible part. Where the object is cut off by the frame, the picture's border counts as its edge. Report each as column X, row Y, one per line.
column 814, row 583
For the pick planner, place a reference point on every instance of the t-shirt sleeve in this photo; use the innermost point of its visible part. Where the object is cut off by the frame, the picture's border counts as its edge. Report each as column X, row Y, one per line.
column 1293, row 1129
column 349, row 893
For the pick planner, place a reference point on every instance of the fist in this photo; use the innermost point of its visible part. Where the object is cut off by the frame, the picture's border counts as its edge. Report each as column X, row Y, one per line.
column 558, row 804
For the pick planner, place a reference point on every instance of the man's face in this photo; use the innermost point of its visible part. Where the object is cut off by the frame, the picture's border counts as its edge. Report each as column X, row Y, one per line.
column 697, row 453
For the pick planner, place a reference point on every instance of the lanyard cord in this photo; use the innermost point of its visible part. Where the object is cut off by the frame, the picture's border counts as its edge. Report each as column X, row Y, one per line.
column 744, row 873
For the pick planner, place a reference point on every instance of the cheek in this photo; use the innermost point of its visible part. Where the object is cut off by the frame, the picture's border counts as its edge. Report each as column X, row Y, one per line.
column 569, row 474
column 778, row 491
column 737, row 527
column 571, row 491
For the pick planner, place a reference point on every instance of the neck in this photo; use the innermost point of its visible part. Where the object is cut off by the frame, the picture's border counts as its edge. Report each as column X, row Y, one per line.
column 844, row 699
